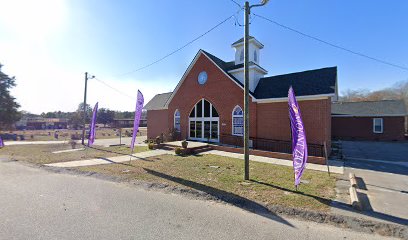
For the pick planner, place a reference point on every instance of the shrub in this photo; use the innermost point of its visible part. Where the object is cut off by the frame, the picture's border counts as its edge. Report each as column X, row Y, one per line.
column 151, row 146
column 178, row 151
column 73, row 143
column 75, row 136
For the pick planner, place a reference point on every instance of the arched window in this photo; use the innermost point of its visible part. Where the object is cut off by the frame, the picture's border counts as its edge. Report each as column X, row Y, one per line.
column 237, row 121
column 177, row 120
column 203, row 122
column 255, row 56
column 241, row 56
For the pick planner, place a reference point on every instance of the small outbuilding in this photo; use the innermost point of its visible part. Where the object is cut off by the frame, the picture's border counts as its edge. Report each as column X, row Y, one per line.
column 371, row 120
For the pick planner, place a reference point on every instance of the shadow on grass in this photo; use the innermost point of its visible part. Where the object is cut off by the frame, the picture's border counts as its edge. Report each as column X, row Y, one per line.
column 119, row 153
column 336, row 204
column 227, row 197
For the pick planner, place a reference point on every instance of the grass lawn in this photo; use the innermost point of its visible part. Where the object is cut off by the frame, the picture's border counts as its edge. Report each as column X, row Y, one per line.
column 270, row 184
column 65, row 134
column 42, row 154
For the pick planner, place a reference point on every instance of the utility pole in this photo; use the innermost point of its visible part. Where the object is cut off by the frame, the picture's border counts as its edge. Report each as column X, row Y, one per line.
column 246, row 92
column 246, row 85
column 84, row 106
column 84, row 123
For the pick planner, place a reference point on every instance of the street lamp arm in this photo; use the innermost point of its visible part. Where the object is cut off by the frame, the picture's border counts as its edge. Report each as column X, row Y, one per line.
column 259, row 5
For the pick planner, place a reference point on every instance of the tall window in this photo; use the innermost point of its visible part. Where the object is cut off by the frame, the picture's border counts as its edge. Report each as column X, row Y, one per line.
column 203, row 122
column 237, row 121
column 255, row 56
column 378, row 126
column 177, row 120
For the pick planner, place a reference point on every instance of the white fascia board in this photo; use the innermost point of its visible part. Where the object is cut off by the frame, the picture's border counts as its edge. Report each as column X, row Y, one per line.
column 256, row 67
column 253, row 98
column 370, row 115
column 166, row 106
column 256, row 42
column 162, row 108
column 188, row 71
column 300, row 98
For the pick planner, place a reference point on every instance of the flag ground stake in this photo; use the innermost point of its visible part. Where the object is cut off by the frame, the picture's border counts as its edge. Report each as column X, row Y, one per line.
column 327, row 159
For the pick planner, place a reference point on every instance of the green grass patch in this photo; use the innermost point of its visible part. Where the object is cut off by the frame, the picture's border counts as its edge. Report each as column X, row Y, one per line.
column 42, row 154
column 269, row 184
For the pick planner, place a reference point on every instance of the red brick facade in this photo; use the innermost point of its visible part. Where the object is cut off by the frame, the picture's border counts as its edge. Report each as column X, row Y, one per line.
column 267, row 120
column 361, row 128
column 157, row 123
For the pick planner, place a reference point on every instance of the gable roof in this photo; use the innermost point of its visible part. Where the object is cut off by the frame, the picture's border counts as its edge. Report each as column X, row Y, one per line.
column 225, row 67
column 321, row 82
column 312, row 82
column 369, row 108
column 250, row 38
column 158, row 102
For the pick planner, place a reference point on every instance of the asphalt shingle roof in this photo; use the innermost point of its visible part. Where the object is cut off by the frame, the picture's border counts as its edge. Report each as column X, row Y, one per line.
column 241, row 40
column 312, row 82
column 158, row 102
column 369, row 108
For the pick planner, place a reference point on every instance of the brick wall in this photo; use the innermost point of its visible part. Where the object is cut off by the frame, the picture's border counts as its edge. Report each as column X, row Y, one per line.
column 361, row 128
column 267, row 120
column 157, row 123
column 219, row 90
column 273, row 120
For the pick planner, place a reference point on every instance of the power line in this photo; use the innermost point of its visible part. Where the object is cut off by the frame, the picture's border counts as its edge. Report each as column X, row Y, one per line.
column 115, row 89
column 180, row 48
column 239, row 5
column 334, row 45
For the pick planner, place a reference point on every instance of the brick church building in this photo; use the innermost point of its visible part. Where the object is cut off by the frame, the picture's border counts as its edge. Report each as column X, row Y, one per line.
column 207, row 103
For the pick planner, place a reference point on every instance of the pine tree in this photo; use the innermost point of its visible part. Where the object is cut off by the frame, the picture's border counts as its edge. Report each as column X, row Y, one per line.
column 9, row 113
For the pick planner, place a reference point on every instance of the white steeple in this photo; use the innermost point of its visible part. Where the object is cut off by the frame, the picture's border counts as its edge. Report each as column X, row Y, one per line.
column 256, row 72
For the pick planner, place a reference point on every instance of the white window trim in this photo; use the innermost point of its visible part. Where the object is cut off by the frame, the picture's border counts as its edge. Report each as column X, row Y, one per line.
column 174, row 120
column 203, row 119
column 232, row 120
column 381, row 124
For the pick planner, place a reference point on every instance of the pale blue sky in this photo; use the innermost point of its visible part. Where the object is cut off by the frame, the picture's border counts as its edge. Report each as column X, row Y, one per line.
column 50, row 44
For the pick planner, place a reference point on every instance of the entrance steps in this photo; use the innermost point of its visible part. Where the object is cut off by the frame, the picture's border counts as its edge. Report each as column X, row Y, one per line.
column 194, row 147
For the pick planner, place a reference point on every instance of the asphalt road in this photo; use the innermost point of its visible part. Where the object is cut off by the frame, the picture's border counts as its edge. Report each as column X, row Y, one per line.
column 36, row 204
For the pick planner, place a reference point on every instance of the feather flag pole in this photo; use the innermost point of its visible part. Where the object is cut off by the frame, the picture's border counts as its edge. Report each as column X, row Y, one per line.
column 299, row 144
column 138, row 114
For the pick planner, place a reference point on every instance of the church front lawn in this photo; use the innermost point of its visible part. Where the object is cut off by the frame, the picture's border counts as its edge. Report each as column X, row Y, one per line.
column 269, row 184
column 43, row 154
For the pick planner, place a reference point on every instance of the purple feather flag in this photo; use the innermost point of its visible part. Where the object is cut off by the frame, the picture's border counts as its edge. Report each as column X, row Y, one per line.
column 138, row 114
column 92, row 132
column 1, row 142
column 299, row 144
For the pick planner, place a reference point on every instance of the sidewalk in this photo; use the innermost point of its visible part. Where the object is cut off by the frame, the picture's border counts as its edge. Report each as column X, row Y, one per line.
column 335, row 166
column 119, row 159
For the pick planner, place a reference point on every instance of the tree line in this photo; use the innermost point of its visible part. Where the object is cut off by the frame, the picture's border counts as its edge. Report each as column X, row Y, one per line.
column 105, row 116
column 399, row 91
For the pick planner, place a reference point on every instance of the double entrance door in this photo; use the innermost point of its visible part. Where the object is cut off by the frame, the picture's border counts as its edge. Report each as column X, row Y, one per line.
column 204, row 130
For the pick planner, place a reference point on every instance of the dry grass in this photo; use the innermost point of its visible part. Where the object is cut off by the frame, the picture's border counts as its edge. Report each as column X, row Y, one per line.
column 270, row 184
column 42, row 154
column 65, row 134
